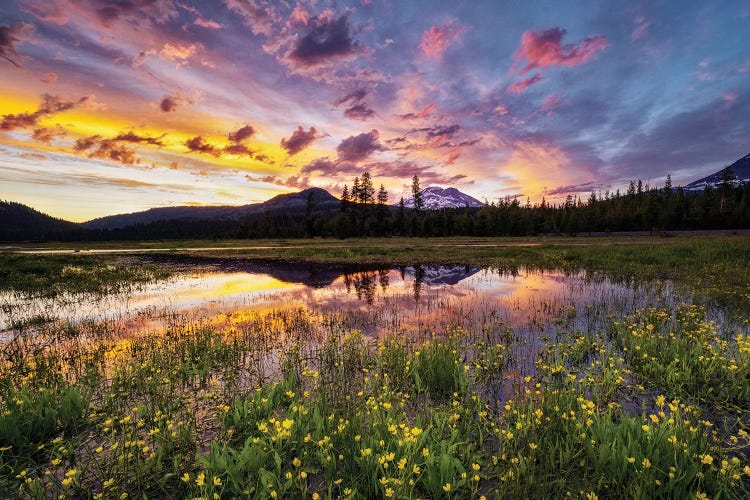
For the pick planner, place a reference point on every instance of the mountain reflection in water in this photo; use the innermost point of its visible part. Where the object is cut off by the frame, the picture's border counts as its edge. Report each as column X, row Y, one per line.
column 377, row 300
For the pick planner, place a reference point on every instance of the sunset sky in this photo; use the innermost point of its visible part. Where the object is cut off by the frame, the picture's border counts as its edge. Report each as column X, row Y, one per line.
column 118, row 106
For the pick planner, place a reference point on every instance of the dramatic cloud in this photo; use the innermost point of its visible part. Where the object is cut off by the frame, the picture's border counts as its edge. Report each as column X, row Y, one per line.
column 358, row 147
column 426, row 112
column 199, row 19
column 401, row 169
column 51, row 104
column 47, row 135
column 353, row 97
column 359, row 112
column 325, row 166
column 177, row 53
column 329, row 39
column 443, row 130
column 438, row 130
column 711, row 127
column 10, row 37
column 141, row 139
column 299, row 16
column 293, row 181
column 519, row 87
column 113, row 149
column 436, row 40
column 89, row 103
column 110, row 12
column 550, row 104
column 105, row 149
column 199, row 145
column 259, row 16
column 109, row 150
column 544, row 48
column 169, row 103
column 86, row 143
column 299, row 140
column 586, row 187
column 241, row 134
column 238, row 149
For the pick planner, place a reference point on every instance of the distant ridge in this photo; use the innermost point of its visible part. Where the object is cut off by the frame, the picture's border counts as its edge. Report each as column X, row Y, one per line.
column 18, row 220
column 291, row 203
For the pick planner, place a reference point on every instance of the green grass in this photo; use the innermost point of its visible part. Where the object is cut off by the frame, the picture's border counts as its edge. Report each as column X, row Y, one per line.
column 49, row 275
column 191, row 412
column 293, row 403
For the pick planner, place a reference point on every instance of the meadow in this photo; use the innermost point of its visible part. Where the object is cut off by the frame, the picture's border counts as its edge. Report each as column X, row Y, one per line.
column 605, row 368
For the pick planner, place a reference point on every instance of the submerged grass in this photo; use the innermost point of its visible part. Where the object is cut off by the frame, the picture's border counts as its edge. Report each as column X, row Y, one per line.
column 297, row 403
column 291, row 403
column 51, row 275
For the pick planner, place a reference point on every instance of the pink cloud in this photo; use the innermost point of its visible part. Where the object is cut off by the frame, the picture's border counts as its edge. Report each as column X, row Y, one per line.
column 426, row 112
column 49, row 78
column 299, row 16
column 544, row 48
column 642, row 25
column 199, row 19
column 207, row 23
column 551, row 103
column 729, row 97
column 437, row 40
column 178, row 53
column 521, row 86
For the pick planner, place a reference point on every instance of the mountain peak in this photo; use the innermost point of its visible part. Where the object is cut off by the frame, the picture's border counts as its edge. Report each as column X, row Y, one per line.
column 437, row 198
column 740, row 169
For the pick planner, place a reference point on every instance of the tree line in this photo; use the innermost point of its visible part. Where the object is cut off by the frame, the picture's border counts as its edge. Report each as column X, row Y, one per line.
column 365, row 211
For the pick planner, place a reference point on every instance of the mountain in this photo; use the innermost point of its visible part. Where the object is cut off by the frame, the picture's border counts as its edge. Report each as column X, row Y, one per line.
column 293, row 203
column 441, row 275
column 18, row 221
column 436, row 198
column 740, row 169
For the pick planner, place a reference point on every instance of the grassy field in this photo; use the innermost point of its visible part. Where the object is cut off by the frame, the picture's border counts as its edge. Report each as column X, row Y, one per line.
column 715, row 267
column 295, row 403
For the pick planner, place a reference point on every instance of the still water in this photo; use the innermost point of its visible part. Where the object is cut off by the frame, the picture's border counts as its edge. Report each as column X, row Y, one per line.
column 379, row 301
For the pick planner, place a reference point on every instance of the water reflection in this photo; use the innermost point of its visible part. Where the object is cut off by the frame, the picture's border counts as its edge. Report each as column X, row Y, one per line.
column 376, row 300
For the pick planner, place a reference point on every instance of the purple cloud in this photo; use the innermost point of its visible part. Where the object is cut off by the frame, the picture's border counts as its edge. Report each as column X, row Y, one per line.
column 241, row 134
column 359, row 112
column 199, row 145
column 329, row 39
column 358, row 147
column 10, row 37
column 299, row 140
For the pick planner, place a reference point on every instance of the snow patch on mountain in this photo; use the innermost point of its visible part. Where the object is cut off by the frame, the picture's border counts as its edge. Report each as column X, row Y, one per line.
column 740, row 170
column 437, row 198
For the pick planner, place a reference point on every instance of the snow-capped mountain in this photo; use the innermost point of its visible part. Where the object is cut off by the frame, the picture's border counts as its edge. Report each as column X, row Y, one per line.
column 436, row 198
column 740, row 169
column 441, row 275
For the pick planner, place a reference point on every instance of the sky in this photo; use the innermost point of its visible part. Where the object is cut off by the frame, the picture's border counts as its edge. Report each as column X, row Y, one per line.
column 119, row 106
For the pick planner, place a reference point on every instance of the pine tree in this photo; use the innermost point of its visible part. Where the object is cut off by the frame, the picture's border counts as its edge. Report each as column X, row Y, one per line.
column 356, row 193
column 416, row 192
column 345, row 199
column 382, row 208
column 367, row 191
column 382, row 196
column 401, row 220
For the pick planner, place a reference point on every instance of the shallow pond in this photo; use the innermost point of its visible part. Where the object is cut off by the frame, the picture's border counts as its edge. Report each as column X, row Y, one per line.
column 377, row 301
